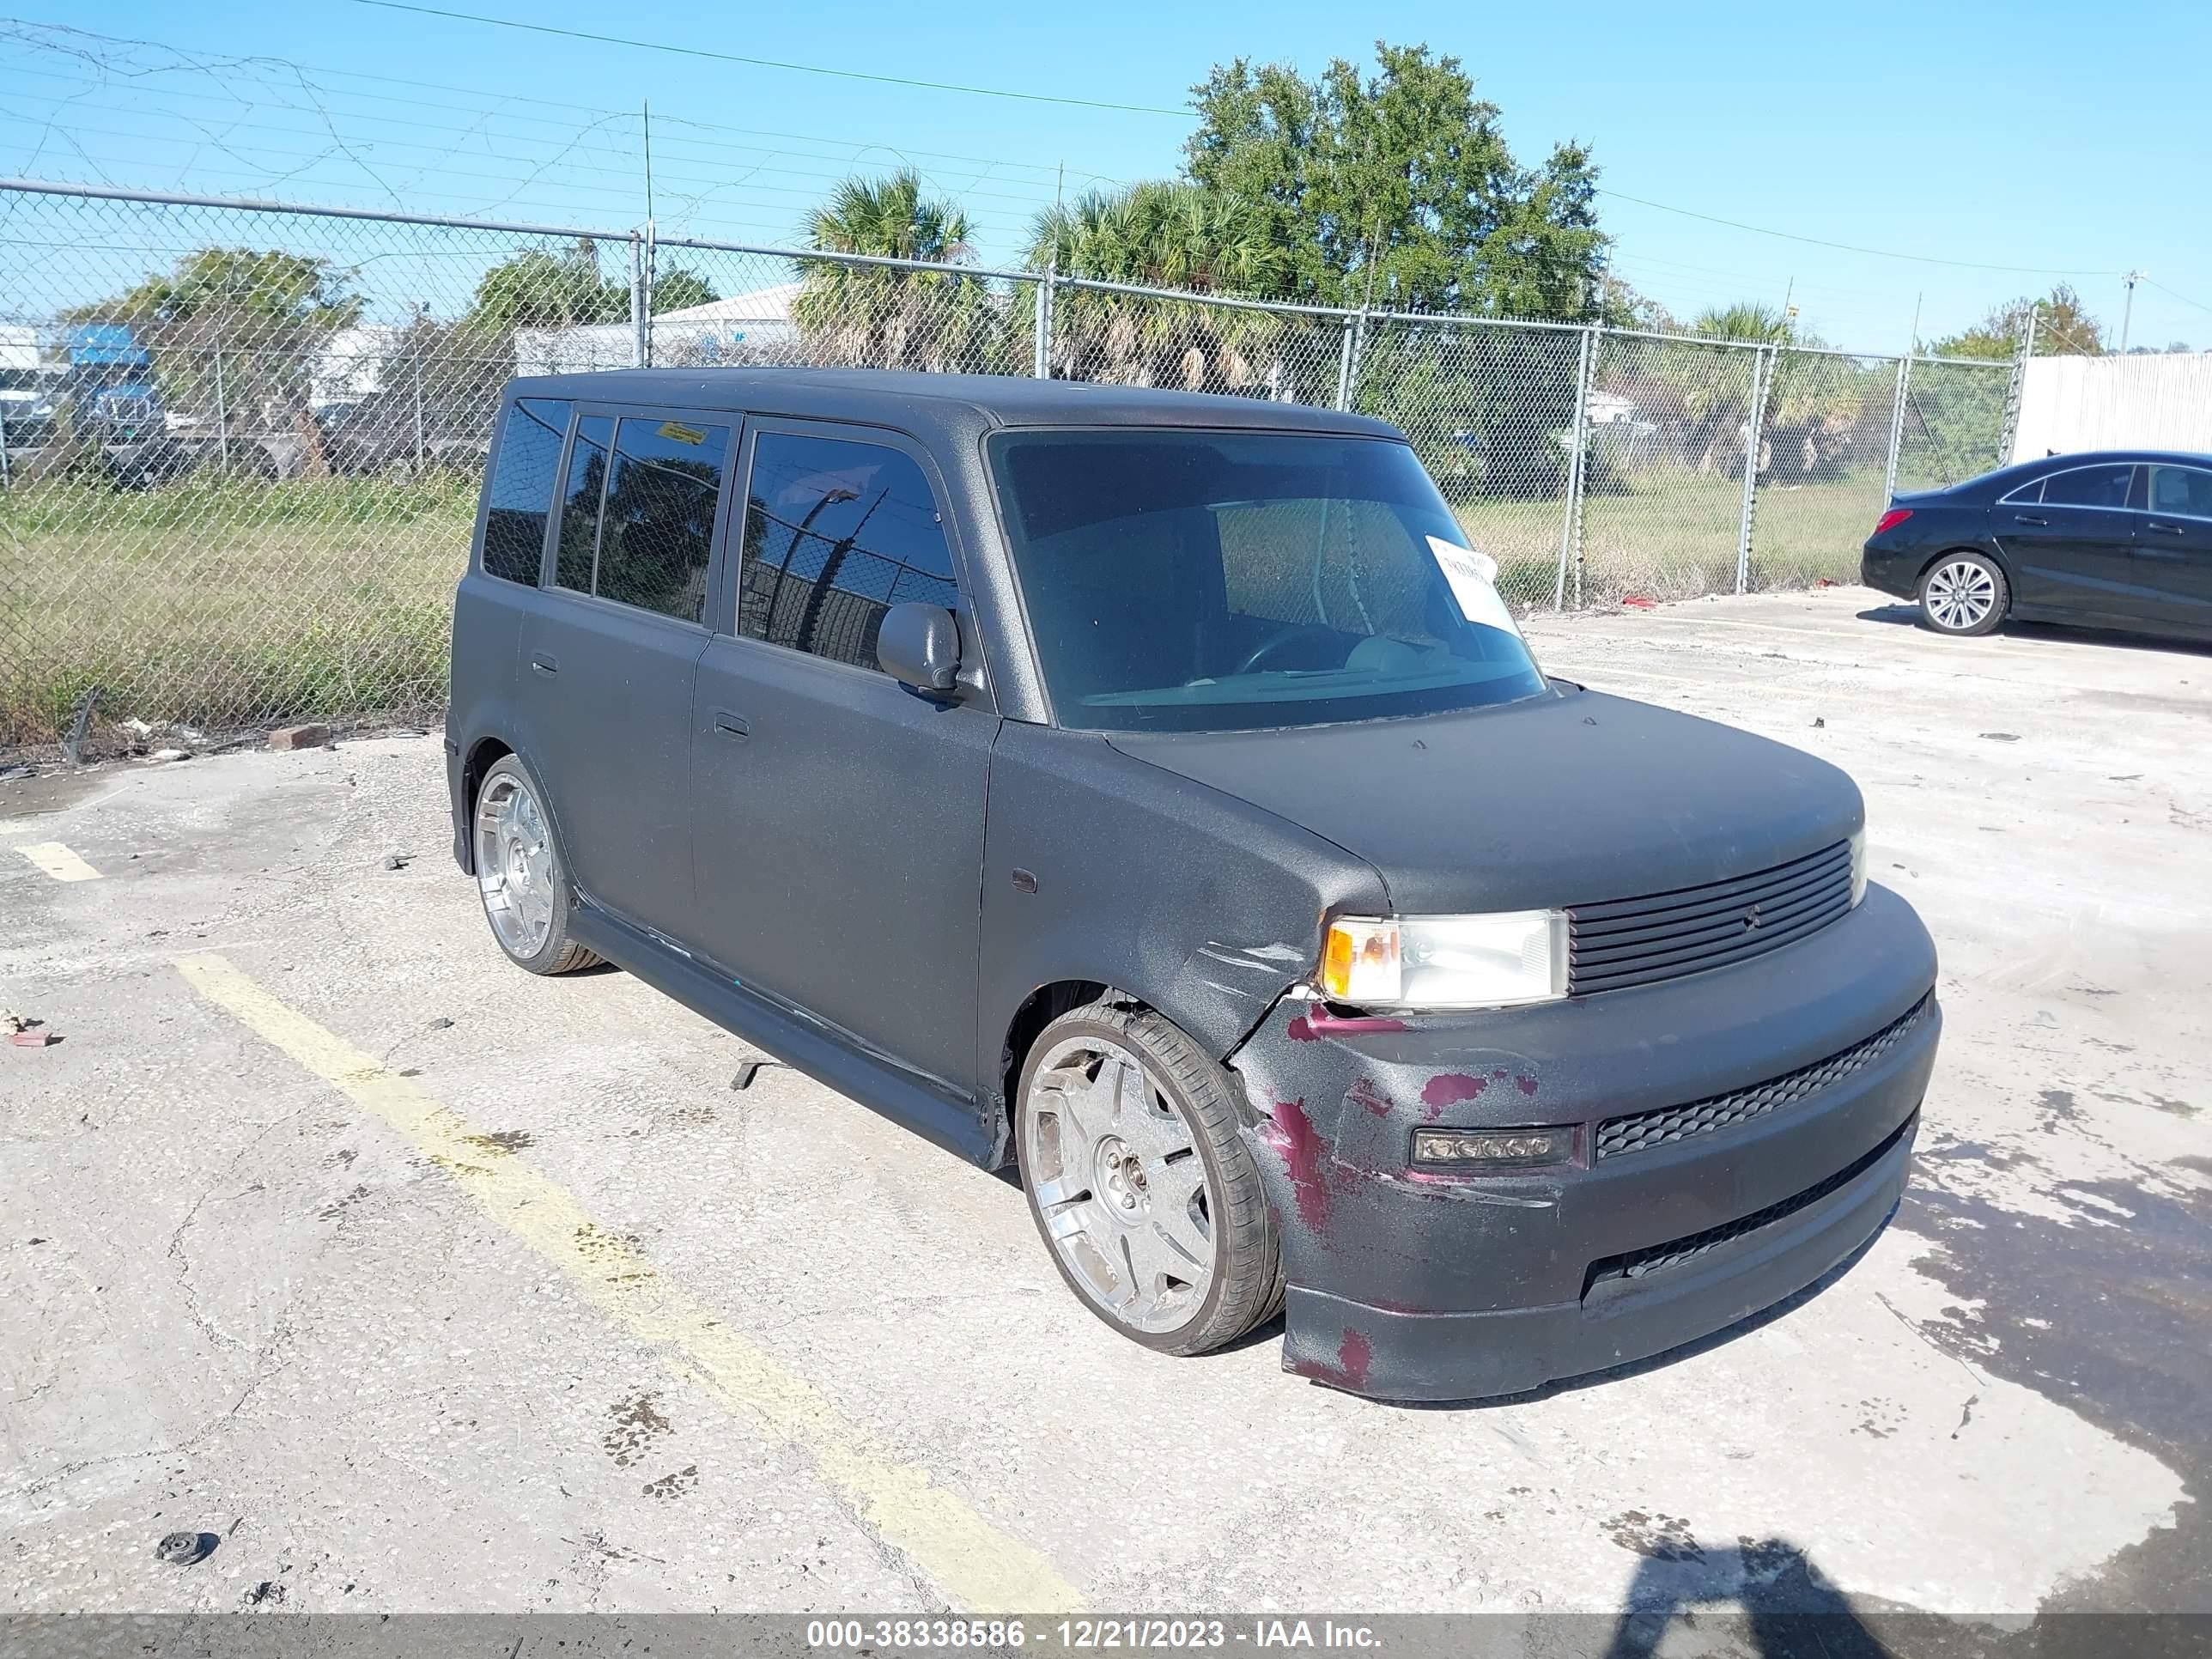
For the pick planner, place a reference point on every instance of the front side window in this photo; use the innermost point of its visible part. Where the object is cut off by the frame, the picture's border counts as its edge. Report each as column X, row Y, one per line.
column 2184, row 491
column 1210, row 581
column 837, row 532
column 522, row 487
column 637, row 515
column 2088, row 486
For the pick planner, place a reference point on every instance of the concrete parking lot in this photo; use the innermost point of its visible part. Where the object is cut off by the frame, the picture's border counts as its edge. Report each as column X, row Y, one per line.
column 424, row 1285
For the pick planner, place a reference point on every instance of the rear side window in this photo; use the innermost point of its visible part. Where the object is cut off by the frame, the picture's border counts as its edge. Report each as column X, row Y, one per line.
column 2088, row 486
column 637, row 522
column 837, row 532
column 657, row 529
column 522, row 487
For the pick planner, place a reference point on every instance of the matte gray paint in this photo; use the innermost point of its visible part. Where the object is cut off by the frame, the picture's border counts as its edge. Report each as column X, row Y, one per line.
column 825, row 861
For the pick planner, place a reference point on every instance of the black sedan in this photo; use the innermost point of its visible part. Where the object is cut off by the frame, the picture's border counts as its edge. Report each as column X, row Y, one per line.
column 2115, row 538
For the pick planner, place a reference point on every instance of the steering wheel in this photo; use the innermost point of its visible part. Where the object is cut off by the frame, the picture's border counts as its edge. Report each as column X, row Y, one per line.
column 1274, row 642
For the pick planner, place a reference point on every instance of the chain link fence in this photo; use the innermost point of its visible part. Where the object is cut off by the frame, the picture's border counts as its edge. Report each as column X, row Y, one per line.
column 239, row 443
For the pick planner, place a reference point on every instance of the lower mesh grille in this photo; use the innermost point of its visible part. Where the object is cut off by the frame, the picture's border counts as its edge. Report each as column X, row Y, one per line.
column 1659, row 1258
column 1641, row 1131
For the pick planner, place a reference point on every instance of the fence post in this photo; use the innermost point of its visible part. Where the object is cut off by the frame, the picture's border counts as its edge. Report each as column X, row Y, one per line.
column 1348, row 360
column 1041, row 363
column 1753, row 425
column 1571, row 540
column 419, row 457
column 4, row 446
column 640, row 348
column 2017, row 388
column 222, row 418
column 1897, row 427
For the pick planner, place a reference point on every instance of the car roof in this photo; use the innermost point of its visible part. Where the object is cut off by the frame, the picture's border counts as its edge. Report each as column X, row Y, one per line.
column 899, row 398
column 2004, row 478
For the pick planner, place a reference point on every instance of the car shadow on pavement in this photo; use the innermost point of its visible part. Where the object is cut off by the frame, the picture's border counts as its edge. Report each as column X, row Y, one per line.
column 1765, row 1591
column 1908, row 616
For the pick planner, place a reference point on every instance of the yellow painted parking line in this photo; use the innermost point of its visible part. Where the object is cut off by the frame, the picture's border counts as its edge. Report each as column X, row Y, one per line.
column 58, row 861
column 983, row 1569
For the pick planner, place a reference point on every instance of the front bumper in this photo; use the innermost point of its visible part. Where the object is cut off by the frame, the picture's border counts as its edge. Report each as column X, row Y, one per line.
column 1408, row 1285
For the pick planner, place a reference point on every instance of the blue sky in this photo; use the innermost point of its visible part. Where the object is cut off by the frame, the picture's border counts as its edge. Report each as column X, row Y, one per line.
column 2021, row 134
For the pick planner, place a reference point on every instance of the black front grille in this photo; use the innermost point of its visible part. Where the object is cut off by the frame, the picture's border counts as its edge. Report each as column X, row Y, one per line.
column 1641, row 940
column 1641, row 1131
column 1658, row 1258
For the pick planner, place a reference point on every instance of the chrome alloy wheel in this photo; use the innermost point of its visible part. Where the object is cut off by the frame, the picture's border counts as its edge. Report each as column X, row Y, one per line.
column 514, row 866
column 1118, row 1178
column 1959, row 595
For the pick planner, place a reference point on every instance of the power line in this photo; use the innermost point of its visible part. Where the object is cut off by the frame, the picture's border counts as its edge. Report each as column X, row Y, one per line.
column 770, row 62
column 1792, row 236
column 2183, row 298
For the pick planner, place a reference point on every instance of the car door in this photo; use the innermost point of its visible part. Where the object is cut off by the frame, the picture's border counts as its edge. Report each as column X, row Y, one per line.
column 2174, row 546
column 2067, row 537
column 836, row 816
column 609, row 651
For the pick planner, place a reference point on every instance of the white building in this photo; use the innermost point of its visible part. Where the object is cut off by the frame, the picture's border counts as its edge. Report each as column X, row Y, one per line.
column 746, row 328
column 2142, row 401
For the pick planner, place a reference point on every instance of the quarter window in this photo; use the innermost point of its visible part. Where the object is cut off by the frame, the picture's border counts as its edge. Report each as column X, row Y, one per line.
column 579, row 541
column 2184, row 491
column 522, row 488
column 2088, row 486
column 837, row 532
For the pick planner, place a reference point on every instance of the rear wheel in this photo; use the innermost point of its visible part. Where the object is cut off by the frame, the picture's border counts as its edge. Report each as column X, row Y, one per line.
column 1151, row 1205
column 1963, row 593
column 520, row 877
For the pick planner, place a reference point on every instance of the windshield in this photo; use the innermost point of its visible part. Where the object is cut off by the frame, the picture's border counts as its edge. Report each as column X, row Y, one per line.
column 1203, row 582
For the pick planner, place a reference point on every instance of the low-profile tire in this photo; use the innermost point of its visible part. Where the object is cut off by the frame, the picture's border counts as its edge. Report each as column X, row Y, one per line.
column 1148, row 1202
column 1965, row 594
column 519, row 876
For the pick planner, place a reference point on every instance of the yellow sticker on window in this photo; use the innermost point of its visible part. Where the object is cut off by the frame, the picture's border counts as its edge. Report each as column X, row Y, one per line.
column 676, row 432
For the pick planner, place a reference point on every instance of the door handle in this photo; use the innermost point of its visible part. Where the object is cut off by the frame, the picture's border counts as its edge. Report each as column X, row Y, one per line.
column 2170, row 529
column 544, row 663
column 2023, row 518
column 731, row 725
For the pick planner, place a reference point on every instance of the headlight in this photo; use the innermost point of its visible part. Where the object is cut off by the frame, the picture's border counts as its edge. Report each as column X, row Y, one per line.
column 1446, row 961
column 1858, row 864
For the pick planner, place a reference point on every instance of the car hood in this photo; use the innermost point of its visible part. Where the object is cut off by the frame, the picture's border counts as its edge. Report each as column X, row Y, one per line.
column 1567, row 800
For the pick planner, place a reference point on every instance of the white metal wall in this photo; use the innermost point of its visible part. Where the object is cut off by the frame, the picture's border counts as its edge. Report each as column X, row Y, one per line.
column 2068, row 405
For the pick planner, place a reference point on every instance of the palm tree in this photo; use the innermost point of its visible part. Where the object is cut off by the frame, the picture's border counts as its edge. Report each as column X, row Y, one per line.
column 1161, row 233
column 886, row 317
column 1813, row 402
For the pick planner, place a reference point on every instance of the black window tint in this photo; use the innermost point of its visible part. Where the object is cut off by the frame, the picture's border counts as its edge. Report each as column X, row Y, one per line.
column 2181, row 490
column 579, row 509
column 522, row 487
column 837, row 533
column 659, row 534
column 2088, row 486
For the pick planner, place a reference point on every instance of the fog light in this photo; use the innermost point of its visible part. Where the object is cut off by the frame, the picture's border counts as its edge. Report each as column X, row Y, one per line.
column 1508, row 1147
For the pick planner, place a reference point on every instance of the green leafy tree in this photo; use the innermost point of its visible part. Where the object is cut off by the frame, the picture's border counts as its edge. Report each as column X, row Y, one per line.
column 539, row 289
column 887, row 317
column 255, row 319
column 2063, row 328
column 1166, row 234
column 1398, row 188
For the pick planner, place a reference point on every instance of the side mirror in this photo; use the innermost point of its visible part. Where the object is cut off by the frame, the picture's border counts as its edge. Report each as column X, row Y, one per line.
column 919, row 645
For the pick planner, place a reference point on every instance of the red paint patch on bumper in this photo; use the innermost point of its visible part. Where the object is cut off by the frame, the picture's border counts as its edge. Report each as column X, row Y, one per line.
column 1447, row 1088
column 1305, row 1158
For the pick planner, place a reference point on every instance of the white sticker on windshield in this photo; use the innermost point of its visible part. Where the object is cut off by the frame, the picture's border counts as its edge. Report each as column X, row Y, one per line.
column 1474, row 580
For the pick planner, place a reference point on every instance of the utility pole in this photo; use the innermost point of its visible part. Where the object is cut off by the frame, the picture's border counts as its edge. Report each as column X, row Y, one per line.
column 2128, row 315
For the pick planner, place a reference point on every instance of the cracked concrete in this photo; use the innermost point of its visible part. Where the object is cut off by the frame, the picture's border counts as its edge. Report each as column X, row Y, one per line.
column 252, row 1311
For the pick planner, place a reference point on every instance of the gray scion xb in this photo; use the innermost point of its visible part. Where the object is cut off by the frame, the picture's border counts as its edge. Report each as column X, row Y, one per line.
column 1152, row 790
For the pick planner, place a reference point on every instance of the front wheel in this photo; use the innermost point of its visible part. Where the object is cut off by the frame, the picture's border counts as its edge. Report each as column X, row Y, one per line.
column 1151, row 1205
column 1963, row 593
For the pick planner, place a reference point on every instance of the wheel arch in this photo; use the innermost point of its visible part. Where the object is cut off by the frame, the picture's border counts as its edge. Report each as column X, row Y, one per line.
column 1980, row 551
column 1044, row 1004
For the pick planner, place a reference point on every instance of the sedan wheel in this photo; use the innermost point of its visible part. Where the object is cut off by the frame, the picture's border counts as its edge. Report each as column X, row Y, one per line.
column 518, row 875
column 1963, row 594
column 1151, row 1205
